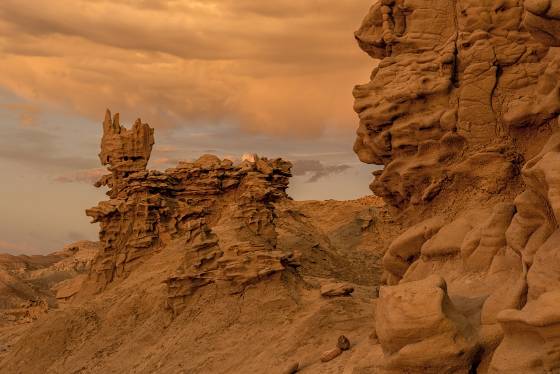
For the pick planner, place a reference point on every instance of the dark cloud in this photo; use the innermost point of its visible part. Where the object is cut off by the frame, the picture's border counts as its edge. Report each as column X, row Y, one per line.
column 316, row 169
column 276, row 29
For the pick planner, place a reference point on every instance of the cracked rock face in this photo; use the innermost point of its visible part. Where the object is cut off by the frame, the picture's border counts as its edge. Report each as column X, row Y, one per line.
column 461, row 84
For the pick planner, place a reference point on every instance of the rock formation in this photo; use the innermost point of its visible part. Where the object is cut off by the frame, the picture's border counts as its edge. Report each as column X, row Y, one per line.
column 462, row 95
column 462, row 111
column 542, row 18
column 209, row 267
column 222, row 214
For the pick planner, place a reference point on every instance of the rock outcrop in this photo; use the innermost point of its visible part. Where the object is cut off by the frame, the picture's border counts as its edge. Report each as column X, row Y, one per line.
column 542, row 18
column 209, row 267
column 421, row 331
column 462, row 95
column 222, row 214
column 462, row 111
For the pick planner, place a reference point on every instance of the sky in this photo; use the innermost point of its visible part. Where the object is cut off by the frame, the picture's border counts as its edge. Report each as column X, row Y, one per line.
column 226, row 77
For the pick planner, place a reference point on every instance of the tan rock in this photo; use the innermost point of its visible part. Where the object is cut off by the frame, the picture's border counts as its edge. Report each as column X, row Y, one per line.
column 462, row 113
column 405, row 249
column 228, row 222
column 208, row 162
column 490, row 240
column 431, row 102
column 420, row 330
column 331, row 354
column 542, row 18
column 66, row 289
column 336, row 289
column 544, row 275
column 531, row 337
column 30, row 286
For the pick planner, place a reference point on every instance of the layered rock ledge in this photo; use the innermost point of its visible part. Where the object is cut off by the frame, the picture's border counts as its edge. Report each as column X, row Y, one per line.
column 222, row 213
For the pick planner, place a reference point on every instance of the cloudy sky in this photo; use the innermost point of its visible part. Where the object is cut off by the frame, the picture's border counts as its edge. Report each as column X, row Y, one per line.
column 212, row 76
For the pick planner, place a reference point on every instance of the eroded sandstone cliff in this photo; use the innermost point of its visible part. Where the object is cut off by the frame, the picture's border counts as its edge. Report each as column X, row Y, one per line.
column 464, row 93
column 222, row 213
column 462, row 111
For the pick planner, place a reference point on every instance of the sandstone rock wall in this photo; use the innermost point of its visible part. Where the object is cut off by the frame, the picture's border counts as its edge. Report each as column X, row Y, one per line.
column 462, row 111
column 464, row 92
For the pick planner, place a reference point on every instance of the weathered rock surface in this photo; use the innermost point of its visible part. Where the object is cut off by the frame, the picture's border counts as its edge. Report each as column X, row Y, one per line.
column 462, row 111
column 498, row 263
column 420, row 330
column 222, row 213
column 542, row 17
column 531, row 338
column 461, row 95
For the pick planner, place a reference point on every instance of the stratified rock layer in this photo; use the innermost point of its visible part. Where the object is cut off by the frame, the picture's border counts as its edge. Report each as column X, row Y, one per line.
column 222, row 214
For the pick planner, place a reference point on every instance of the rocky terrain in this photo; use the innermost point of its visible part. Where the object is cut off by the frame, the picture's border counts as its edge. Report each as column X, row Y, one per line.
column 31, row 286
column 28, row 281
column 206, row 264
column 451, row 267
column 462, row 111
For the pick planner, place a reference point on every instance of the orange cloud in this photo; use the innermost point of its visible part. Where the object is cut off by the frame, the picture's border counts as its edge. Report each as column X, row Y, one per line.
column 273, row 67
